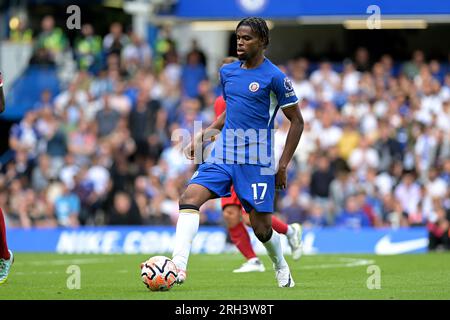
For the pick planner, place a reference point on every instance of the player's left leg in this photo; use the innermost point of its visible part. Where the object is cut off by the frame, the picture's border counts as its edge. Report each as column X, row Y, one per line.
column 292, row 231
column 6, row 256
column 262, row 226
column 256, row 193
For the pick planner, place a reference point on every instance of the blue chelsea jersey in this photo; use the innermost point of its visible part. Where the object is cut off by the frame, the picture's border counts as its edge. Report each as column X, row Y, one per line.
column 253, row 97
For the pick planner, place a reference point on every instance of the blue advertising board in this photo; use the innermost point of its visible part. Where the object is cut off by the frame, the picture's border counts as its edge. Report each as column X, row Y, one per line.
column 278, row 9
column 211, row 240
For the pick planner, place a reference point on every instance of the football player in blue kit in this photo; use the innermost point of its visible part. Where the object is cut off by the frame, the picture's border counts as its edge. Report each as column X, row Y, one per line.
column 254, row 90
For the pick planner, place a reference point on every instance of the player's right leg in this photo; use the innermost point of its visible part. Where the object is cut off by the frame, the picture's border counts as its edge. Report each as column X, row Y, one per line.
column 187, row 225
column 208, row 182
column 6, row 255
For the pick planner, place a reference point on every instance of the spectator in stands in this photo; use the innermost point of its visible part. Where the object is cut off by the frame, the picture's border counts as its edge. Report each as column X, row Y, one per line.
column 327, row 132
column 350, row 78
column 408, row 193
column 341, row 188
column 316, row 217
column 439, row 230
column 22, row 33
column 350, row 138
column 73, row 97
column 291, row 208
column 196, row 48
column 124, row 211
column 326, row 81
column 115, row 40
column 300, row 82
column 392, row 213
column 88, row 49
column 51, row 42
column 24, row 136
column 118, row 100
column 321, row 179
column 136, row 54
column 143, row 126
column 425, row 149
column 193, row 73
column 388, row 148
column 67, row 208
column 68, row 171
column 412, row 68
column 106, row 119
column 362, row 60
column 42, row 174
column 352, row 216
column 46, row 101
column 165, row 48
column 22, row 166
column 363, row 157
column 82, row 143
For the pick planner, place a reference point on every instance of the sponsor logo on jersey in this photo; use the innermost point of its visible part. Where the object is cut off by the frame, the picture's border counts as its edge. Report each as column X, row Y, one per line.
column 253, row 87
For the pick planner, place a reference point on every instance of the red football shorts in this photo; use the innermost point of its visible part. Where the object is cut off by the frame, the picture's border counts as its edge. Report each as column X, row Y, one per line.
column 232, row 200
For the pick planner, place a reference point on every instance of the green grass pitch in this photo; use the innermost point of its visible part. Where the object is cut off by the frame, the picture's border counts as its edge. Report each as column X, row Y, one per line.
column 44, row 276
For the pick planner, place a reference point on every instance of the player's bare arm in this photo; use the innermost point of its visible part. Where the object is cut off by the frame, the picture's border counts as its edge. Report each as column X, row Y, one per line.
column 206, row 135
column 2, row 96
column 295, row 131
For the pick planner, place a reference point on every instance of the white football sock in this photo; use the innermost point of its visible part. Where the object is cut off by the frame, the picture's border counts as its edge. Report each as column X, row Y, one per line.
column 290, row 231
column 273, row 247
column 187, row 227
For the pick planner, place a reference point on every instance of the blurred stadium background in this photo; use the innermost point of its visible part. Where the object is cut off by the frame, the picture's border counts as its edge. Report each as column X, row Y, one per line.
column 86, row 138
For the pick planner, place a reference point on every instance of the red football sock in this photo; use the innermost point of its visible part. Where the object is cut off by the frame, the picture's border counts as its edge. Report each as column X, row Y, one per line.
column 4, row 253
column 239, row 236
column 278, row 225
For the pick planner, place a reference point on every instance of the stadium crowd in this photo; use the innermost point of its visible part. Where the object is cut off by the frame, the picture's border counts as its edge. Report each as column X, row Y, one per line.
column 375, row 150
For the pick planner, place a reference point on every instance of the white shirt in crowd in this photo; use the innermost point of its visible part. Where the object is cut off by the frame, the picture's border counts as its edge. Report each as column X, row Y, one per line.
column 327, row 83
column 350, row 82
column 362, row 159
column 304, row 89
column 99, row 176
column 408, row 196
column 328, row 137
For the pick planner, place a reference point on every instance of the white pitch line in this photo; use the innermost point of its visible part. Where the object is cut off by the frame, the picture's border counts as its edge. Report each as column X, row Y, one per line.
column 346, row 263
column 343, row 262
column 62, row 262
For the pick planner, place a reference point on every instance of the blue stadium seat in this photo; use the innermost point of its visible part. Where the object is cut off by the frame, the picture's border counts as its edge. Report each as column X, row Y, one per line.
column 26, row 90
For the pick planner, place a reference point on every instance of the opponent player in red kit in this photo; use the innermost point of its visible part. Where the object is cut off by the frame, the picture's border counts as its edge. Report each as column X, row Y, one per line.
column 233, row 211
column 6, row 256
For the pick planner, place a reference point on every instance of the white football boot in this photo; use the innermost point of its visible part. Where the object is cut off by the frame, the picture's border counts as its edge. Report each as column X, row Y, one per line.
column 284, row 278
column 252, row 265
column 295, row 241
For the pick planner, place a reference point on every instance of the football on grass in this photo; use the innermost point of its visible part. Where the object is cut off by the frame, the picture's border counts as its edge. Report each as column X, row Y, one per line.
column 159, row 273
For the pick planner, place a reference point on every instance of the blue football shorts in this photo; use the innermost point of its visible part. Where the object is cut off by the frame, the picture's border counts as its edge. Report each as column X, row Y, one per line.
column 254, row 189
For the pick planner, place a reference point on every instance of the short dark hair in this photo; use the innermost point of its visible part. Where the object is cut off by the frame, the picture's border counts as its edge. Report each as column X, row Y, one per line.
column 259, row 26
